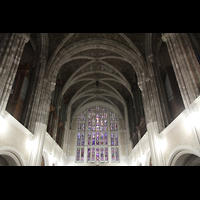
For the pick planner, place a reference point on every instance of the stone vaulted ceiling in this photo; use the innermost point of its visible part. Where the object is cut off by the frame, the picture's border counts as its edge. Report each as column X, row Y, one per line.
column 99, row 74
column 115, row 76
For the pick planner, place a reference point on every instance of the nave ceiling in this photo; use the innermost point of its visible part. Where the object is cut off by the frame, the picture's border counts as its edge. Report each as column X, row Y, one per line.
column 116, row 77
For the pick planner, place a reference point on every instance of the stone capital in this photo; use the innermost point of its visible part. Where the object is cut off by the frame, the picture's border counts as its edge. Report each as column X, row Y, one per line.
column 41, row 58
column 151, row 58
column 25, row 36
column 52, row 86
column 165, row 36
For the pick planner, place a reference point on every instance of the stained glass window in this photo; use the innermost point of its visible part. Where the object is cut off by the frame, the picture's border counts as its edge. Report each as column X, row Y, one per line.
column 82, row 154
column 113, row 154
column 102, row 154
column 78, row 154
column 88, row 156
column 99, row 127
column 97, row 154
column 89, row 138
column 106, row 154
column 81, row 137
column 93, row 154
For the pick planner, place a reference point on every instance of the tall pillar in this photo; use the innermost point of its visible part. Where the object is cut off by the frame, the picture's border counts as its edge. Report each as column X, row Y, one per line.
column 11, row 51
column 41, row 123
column 185, row 65
column 154, row 122
column 30, row 116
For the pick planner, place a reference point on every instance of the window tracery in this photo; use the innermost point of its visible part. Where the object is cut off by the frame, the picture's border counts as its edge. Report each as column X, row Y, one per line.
column 97, row 136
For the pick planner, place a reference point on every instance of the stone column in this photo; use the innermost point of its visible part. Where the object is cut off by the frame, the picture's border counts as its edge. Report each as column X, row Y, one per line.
column 185, row 65
column 30, row 116
column 11, row 51
column 153, row 119
column 41, row 122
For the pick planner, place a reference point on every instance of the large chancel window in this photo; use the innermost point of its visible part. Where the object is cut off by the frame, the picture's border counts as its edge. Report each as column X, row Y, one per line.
column 97, row 137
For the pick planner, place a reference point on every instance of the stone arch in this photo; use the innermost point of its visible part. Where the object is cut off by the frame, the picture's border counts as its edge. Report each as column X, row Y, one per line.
column 128, row 54
column 181, row 151
column 116, row 110
column 188, row 160
column 12, row 156
column 43, row 44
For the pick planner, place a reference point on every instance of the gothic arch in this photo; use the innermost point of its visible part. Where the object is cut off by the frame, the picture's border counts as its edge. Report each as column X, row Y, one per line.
column 115, row 109
column 128, row 54
column 180, row 151
column 14, row 154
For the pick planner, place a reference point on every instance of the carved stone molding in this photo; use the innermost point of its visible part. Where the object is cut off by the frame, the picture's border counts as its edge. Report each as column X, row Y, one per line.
column 151, row 58
column 165, row 36
column 25, row 36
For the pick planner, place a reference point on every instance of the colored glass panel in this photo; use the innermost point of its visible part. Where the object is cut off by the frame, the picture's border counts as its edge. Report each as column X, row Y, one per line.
column 97, row 127
column 93, row 121
column 112, row 139
column 88, row 155
column 79, row 127
column 102, row 154
column 83, row 139
column 82, row 154
column 78, row 154
column 79, row 139
column 106, row 139
column 89, row 122
column 106, row 154
column 117, row 154
column 101, row 138
column 89, row 138
column 93, row 154
column 115, row 126
column 116, row 139
column 93, row 138
column 97, row 138
column 113, row 154
column 97, row 154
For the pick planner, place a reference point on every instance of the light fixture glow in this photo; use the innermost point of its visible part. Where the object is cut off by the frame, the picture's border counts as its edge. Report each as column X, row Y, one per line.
column 194, row 119
column 3, row 124
column 29, row 144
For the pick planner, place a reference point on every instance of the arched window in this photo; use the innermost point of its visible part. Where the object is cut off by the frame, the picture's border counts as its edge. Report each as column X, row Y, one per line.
column 97, row 136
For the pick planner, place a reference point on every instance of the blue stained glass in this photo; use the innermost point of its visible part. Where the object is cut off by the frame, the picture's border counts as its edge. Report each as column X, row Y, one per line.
column 117, row 154
column 78, row 154
column 82, row 154
column 89, row 138
column 83, row 139
column 93, row 138
column 116, row 139
column 106, row 139
column 79, row 139
column 89, row 152
column 102, row 154
column 113, row 154
column 97, row 154
column 93, row 154
column 106, row 154
column 112, row 139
